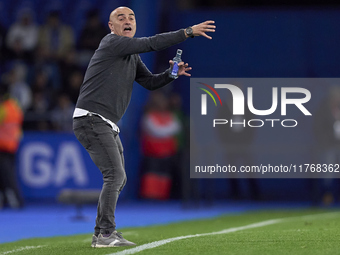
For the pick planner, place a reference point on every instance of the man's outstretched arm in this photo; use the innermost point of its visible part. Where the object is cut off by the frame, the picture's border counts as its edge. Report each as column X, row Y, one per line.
column 122, row 46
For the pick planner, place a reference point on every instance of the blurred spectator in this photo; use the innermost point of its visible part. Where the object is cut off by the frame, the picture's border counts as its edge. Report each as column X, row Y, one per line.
column 159, row 147
column 11, row 118
column 22, row 36
column 62, row 114
column 327, row 134
column 55, row 37
column 91, row 35
column 19, row 89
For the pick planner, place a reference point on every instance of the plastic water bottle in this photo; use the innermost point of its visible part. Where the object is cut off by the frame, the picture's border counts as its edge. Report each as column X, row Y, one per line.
column 174, row 71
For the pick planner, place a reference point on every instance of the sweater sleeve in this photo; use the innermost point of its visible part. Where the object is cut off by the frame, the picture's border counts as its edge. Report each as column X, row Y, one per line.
column 149, row 80
column 122, row 45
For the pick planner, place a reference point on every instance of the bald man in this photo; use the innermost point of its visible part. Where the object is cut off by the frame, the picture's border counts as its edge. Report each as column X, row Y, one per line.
column 104, row 97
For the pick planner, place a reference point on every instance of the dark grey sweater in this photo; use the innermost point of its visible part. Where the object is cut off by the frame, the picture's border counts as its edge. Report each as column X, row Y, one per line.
column 115, row 65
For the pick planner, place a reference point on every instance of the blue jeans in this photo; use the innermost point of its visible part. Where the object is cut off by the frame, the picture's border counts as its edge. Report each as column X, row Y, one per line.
column 106, row 151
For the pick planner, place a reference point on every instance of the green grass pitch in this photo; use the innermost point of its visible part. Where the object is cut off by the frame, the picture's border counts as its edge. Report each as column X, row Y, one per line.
column 291, row 232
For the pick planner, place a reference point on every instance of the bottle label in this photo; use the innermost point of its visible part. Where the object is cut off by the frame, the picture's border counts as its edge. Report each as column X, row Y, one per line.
column 175, row 69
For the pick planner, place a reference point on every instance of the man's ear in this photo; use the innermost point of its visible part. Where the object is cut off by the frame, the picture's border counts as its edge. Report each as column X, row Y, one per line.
column 110, row 26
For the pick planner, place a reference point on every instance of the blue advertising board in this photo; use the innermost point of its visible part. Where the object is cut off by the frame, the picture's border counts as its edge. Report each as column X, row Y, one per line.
column 50, row 162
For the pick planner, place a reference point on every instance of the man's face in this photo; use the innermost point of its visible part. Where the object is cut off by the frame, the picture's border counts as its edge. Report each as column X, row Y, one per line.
column 122, row 22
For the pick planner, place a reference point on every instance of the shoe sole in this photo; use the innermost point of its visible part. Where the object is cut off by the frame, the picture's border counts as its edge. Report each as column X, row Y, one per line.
column 112, row 245
column 105, row 246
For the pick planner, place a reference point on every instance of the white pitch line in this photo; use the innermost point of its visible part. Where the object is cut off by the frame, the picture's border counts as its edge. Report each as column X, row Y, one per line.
column 225, row 231
column 22, row 249
column 165, row 241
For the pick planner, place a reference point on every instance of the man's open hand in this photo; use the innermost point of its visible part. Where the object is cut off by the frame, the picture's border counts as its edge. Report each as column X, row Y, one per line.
column 202, row 28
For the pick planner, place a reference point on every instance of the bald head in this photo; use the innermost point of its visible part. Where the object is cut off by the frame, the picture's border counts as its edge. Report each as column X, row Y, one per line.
column 122, row 22
column 120, row 10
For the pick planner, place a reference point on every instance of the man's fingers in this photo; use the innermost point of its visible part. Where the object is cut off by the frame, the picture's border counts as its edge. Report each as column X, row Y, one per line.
column 203, row 28
column 208, row 22
column 209, row 29
column 210, row 26
column 206, row 36
column 184, row 69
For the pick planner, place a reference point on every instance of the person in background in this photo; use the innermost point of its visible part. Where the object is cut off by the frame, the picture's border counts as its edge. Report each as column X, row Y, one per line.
column 55, row 37
column 18, row 87
column 11, row 118
column 22, row 37
column 160, row 127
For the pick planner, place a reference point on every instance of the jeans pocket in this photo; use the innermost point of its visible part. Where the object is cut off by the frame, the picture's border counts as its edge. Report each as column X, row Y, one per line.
column 81, row 135
column 105, row 134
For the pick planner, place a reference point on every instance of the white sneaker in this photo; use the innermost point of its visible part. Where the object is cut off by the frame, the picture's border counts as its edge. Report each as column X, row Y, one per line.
column 114, row 240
